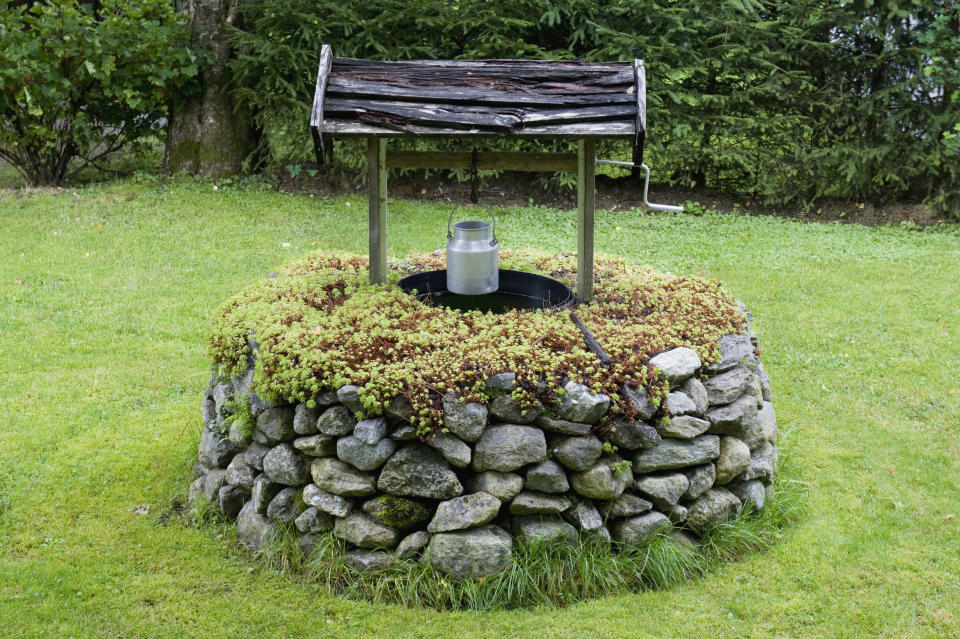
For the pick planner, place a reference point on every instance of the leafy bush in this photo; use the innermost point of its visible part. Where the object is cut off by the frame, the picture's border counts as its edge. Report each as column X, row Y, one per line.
column 82, row 84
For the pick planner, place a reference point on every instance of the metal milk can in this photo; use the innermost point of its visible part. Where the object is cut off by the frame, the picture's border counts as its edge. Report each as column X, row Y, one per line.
column 473, row 258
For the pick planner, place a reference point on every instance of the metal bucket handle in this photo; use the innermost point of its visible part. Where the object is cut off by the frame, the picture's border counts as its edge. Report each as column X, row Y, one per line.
column 493, row 217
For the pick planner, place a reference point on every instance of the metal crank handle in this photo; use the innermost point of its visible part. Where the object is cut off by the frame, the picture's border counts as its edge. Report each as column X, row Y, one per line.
column 646, row 185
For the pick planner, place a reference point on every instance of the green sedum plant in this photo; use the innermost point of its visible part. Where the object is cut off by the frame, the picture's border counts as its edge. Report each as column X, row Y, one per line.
column 81, row 84
column 318, row 325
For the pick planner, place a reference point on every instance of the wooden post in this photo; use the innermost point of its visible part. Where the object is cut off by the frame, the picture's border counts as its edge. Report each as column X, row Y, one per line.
column 377, row 195
column 586, row 201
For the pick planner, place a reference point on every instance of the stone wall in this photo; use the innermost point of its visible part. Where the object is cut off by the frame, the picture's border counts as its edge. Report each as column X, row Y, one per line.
column 499, row 471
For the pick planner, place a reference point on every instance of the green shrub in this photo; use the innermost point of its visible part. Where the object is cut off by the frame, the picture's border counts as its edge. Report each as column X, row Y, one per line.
column 82, row 84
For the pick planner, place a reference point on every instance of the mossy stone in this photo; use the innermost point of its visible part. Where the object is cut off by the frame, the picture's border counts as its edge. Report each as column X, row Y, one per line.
column 396, row 512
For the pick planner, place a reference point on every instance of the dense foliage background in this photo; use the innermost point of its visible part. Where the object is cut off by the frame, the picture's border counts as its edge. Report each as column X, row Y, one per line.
column 785, row 100
column 80, row 81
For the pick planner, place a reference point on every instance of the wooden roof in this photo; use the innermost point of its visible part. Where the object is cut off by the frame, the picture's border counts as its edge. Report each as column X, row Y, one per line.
column 505, row 98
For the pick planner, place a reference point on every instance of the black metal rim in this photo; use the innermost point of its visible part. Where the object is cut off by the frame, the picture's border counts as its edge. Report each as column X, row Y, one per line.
column 554, row 295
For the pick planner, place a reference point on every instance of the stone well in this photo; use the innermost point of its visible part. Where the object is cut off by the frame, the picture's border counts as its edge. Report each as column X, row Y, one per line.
column 500, row 471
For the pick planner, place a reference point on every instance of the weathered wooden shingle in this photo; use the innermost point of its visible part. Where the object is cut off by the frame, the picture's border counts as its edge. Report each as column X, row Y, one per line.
column 525, row 98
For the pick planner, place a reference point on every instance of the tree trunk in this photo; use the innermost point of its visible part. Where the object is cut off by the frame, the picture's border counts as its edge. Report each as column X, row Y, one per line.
column 207, row 134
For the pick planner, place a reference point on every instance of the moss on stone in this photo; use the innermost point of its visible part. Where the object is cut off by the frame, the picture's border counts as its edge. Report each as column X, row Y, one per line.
column 318, row 324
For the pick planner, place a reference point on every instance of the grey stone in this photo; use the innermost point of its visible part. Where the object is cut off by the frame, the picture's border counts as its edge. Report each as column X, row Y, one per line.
column 253, row 529
column 231, row 500
column 507, row 409
column 584, row 516
column 213, row 482
column 308, row 543
column 398, row 409
column 562, row 426
column 254, row 455
column 752, row 494
column 369, row 560
column 766, row 427
column 349, row 396
column 755, row 390
column 700, row 479
column 466, row 511
column 475, row 552
column 682, row 427
column 216, row 450
column 198, row 470
column 305, row 420
column 677, row 364
column 626, row 505
column 544, row 528
column 337, row 421
column 397, row 512
column 639, row 529
column 641, row 402
column 318, row 445
column 208, row 410
column 327, row 502
column 734, row 458
column 404, row 433
column 534, row 503
column 682, row 538
column 419, row 471
column 284, row 464
column 501, row 383
column 697, row 392
column 738, row 419
column 313, row 520
column 508, row 446
column 712, row 508
column 503, row 486
column 222, row 393
column 727, row 387
column 240, row 434
column 413, row 544
column 466, row 420
column 546, row 477
column 734, row 349
column 326, row 398
column 580, row 405
column 763, row 464
column 196, row 490
column 340, row 478
column 677, row 453
column 240, row 474
column 764, row 380
column 578, row 453
column 275, row 425
column 633, row 435
column 285, row 506
column 364, row 456
column 452, row 448
column 244, row 386
column 364, row 531
column 664, row 490
column 678, row 514
column 600, row 481
column 371, row 431
column 678, row 403
column 263, row 492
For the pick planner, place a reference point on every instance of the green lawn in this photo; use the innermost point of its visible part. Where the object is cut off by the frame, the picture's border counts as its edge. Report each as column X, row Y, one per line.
column 105, row 295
